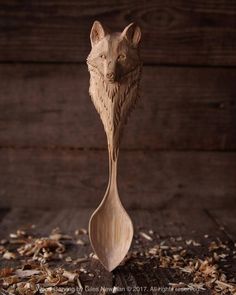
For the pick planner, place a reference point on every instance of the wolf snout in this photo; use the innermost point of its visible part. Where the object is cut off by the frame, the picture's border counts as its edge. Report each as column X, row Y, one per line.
column 110, row 76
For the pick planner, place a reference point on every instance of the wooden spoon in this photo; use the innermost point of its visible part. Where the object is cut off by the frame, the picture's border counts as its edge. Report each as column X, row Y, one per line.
column 115, row 68
column 110, row 227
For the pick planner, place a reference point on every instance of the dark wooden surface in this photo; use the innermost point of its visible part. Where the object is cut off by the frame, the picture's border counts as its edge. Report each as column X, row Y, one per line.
column 179, row 145
column 180, row 108
column 54, row 178
column 166, row 224
column 177, row 165
column 176, row 32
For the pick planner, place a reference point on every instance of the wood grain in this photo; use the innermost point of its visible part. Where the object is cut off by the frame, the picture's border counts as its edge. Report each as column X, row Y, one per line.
column 176, row 32
column 227, row 222
column 56, row 179
column 166, row 224
column 188, row 224
column 180, row 108
column 114, row 90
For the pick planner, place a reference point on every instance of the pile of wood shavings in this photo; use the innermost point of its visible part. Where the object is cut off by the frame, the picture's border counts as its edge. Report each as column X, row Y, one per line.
column 205, row 272
column 37, row 260
column 32, row 257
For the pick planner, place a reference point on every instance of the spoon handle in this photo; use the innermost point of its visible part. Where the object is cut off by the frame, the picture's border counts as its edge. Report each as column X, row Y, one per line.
column 112, row 182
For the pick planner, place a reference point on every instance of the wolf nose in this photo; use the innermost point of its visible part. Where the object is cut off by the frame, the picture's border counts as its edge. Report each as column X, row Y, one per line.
column 110, row 76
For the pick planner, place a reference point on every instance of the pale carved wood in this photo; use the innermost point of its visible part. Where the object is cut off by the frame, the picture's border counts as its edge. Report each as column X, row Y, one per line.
column 115, row 69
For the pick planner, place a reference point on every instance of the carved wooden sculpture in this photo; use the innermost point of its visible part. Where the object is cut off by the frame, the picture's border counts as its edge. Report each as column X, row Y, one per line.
column 115, row 68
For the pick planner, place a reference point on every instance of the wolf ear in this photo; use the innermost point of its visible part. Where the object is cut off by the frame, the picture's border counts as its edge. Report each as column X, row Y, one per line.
column 133, row 34
column 97, row 33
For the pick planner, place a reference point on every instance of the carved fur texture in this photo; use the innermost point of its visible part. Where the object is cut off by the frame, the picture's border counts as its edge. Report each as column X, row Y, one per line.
column 115, row 69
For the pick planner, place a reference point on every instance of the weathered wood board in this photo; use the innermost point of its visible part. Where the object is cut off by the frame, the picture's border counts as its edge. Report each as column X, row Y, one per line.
column 53, row 147
column 180, row 108
column 57, row 178
column 176, row 32
column 170, row 227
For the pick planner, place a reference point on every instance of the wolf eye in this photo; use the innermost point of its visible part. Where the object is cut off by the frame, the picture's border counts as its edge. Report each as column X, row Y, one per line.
column 121, row 57
column 102, row 56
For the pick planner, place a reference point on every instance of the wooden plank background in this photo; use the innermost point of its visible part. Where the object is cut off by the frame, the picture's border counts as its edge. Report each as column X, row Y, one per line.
column 48, row 105
column 179, row 145
column 55, row 178
column 175, row 32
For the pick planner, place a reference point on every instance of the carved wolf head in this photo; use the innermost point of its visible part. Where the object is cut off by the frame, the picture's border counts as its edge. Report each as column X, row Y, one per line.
column 114, row 54
column 115, row 69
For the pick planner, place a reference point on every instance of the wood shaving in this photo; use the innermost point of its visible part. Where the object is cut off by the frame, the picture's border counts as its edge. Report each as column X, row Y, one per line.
column 5, row 272
column 35, row 254
column 7, row 281
column 80, row 242
column 81, row 231
column 26, row 273
column 68, row 259
column 93, row 255
column 41, row 248
column 2, row 250
column 145, row 236
column 192, row 242
column 81, row 260
column 3, row 242
column 9, row 255
column 56, row 234
column 70, row 275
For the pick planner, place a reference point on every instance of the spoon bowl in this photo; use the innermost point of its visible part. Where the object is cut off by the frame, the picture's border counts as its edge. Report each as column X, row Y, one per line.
column 110, row 230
